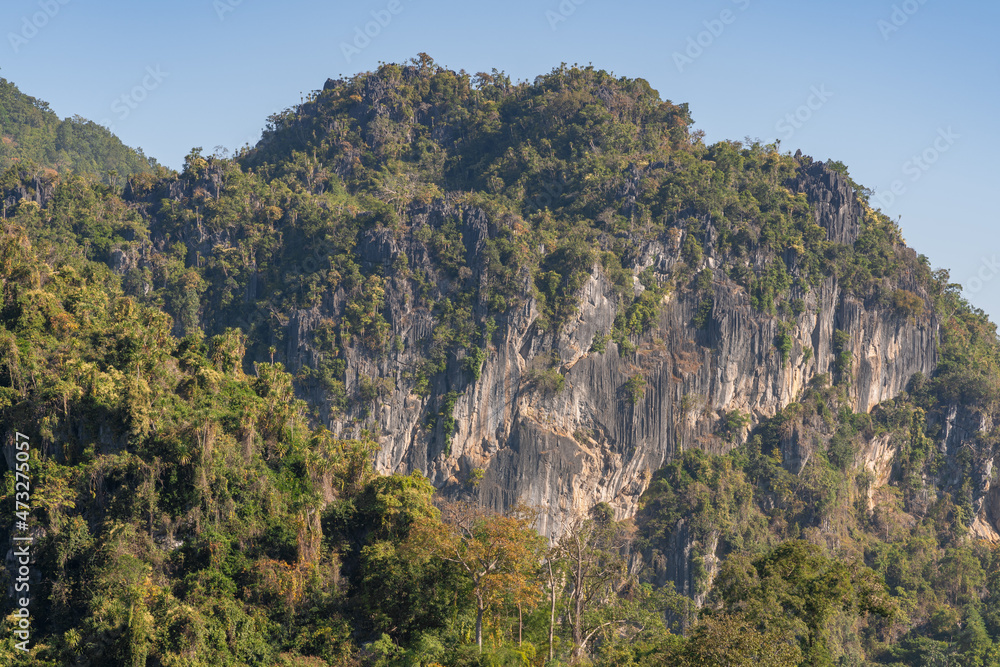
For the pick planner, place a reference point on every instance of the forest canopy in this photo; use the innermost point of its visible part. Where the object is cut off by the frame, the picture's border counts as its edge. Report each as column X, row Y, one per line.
column 195, row 503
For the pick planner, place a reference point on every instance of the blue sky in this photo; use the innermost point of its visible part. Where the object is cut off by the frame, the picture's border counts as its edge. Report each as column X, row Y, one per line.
column 903, row 91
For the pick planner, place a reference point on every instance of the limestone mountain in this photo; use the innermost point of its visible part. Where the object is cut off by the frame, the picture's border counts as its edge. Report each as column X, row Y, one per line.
column 449, row 369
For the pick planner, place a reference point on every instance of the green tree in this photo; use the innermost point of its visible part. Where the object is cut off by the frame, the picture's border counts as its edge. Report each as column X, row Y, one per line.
column 796, row 589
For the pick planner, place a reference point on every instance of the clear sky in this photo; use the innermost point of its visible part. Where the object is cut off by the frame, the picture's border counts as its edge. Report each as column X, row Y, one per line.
column 902, row 91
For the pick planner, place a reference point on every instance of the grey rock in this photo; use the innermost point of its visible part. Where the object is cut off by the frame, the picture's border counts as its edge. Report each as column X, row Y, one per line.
column 563, row 453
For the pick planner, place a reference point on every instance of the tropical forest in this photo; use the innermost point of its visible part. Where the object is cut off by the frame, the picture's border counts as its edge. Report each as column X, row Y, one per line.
column 449, row 370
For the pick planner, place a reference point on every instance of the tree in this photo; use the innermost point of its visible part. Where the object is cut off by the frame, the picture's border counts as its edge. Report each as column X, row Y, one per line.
column 398, row 587
column 498, row 553
column 601, row 592
column 795, row 589
column 725, row 640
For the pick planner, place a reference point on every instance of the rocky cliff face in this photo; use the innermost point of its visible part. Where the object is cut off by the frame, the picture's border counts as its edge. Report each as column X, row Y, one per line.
column 970, row 430
column 591, row 442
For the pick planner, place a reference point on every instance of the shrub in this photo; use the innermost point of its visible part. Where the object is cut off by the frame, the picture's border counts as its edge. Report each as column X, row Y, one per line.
column 783, row 342
column 704, row 313
column 548, row 381
column 370, row 389
column 560, row 275
column 703, row 281
column 473, row 362
column 634, row 388
column 840, row 451
column 907, row 303
column 600, row 343
column 733, row 424
column 691, row 249
column 844, row 358
column 448, row 422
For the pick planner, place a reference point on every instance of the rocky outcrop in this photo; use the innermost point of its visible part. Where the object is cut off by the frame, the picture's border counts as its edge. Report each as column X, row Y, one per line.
column 593, row 441
column 966, row 448
column 877, row 457
column 833, row 201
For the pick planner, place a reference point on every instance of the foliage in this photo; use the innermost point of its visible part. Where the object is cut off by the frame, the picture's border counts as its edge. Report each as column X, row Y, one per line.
column 796, row 589
column 783, row 341
column 33, row 134
column 546, row 376
column 844, row 358
column 158, row 330
column 733, row 424
column 907, row 303
column 634, row 388
column 498, row 554
column 560, row 275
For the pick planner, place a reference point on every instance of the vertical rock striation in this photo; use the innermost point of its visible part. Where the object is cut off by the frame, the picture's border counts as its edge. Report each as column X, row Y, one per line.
column 563, row 452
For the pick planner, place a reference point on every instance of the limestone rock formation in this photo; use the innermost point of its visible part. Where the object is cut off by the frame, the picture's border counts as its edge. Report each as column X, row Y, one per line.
column 565, row 451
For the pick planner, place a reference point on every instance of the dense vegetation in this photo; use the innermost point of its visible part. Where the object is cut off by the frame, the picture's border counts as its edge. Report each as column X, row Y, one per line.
column 190, row 509
column 31, row 134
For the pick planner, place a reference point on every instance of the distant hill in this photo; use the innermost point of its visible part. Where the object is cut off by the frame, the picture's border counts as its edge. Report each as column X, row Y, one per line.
column 30, row 130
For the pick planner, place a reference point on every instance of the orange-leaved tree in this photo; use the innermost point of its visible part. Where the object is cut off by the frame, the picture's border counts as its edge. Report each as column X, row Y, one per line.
column 499, row 553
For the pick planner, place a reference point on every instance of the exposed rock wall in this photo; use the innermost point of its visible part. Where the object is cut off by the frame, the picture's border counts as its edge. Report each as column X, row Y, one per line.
column 589, row 443
column 962, row 429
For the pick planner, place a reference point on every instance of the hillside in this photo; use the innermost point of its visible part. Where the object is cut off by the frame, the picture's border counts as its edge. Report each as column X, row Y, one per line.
column 31, row 133
column 451, row 370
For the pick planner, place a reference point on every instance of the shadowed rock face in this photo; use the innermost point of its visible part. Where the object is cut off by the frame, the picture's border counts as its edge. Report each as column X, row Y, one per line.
column 835, row 206
column 589, row 442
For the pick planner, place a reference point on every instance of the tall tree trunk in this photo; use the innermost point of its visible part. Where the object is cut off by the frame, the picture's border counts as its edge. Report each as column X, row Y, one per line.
column 479, row 624
column 520, row 624
column 578, row 604
column 552, row 614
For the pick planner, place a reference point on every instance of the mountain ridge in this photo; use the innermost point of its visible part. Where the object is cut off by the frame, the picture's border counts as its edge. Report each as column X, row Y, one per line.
column 33, row 133
column 279, row 404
